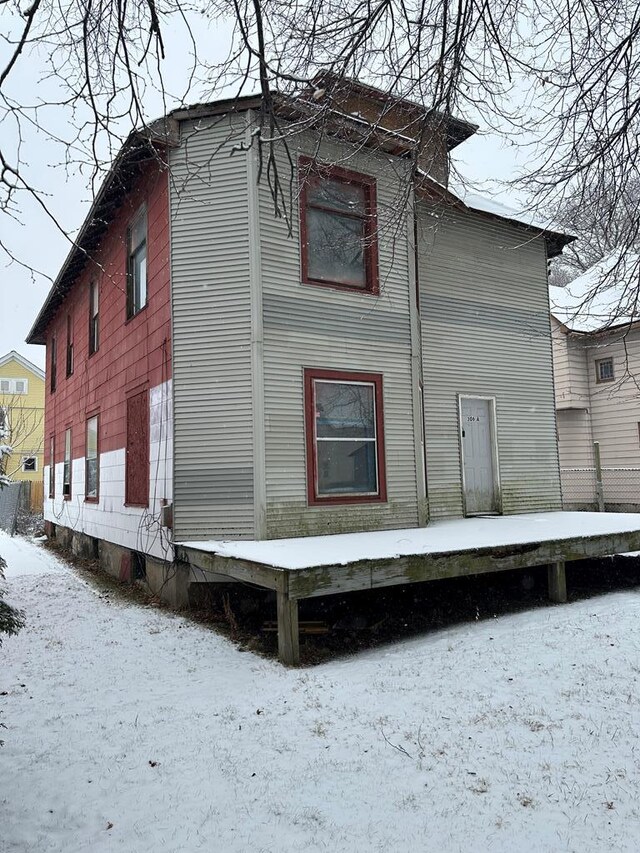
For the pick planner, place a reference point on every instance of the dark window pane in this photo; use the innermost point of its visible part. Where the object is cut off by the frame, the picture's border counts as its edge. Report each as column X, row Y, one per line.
column 344, row 410
column 338, row 195
column 139, row 231
column 347, row 467
column 92, row 478
column 336, row 248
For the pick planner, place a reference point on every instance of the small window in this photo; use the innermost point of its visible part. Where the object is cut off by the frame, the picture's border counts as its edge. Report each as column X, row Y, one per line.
column 69, row 360
column 345, row 451
column 92, row 461
column 66, row 472
column 137, row 453
column 604, row 370
column 94, row 323
column 53, row 363
column 29, row 463
column 137, row 264
column 14, row 386
column 52, row 467
column 338, row 228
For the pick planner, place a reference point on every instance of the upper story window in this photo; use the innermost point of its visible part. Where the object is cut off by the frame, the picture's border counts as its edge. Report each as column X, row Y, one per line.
column 604, row 370
column 53, row 364
column 338, row 228
column 69, row 359
column 94, row 317
column 14, row 386
column 137, row 264
column 345, row 442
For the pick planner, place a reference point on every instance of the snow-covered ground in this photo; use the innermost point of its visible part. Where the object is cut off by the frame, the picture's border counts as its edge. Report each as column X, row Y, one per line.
column 129, row 728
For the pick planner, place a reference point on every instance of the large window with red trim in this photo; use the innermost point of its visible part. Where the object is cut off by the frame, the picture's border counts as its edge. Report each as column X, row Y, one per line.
column 338, row 227
column 345, row 437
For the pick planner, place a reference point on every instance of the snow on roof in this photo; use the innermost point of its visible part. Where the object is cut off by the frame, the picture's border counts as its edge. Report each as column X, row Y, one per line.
column 487, row 204
column 461, row 534
column 606, row 295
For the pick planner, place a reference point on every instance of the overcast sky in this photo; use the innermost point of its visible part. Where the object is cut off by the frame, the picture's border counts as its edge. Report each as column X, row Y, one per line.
column 41, row 242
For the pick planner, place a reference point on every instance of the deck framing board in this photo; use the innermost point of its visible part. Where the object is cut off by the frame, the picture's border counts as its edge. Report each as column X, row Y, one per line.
column 373, row 574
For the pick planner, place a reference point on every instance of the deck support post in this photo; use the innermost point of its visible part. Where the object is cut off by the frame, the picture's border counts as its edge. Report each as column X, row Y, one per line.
column 288, row 634
column 557, row 582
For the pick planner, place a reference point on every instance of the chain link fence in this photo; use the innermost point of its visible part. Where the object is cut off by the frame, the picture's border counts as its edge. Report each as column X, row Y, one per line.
column 10, row 499
column 604, row 489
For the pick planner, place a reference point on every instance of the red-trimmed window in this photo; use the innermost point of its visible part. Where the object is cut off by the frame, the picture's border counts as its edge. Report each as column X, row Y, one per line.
column 66, row 469
column 92, row 462
column 137, row 454
column 338, row 227
column 345, row 437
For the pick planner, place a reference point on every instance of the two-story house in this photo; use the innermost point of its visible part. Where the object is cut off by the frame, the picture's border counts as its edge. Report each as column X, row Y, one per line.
column 596, row 350
column 22, row 413
column 214, row 371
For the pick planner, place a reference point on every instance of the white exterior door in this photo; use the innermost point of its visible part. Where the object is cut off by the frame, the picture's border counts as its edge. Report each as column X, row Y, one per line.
column 478, row 461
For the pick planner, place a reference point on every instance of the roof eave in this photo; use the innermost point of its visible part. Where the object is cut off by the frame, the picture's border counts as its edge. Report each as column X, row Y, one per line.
column 161, row 133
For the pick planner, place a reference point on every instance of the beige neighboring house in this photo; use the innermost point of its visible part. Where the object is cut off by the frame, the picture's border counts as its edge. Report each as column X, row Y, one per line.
column 595, row 324
column 22, row 408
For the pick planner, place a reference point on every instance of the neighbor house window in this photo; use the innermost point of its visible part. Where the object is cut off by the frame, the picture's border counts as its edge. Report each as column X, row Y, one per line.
column 69, row 360
column 94, row 327
column 137, row 453
column 66, row 471
column 14, row 386
column 345, row 442
column 53, row 364
column 52, row 467
column 92, row 461
column 338, row 228
column 29, row 463
column 137, row 264
column 604, row 370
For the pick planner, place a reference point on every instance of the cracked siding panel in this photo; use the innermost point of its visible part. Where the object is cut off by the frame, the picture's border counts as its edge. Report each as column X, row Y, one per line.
column 307, row 326
column 212, row 328
column 485, row 331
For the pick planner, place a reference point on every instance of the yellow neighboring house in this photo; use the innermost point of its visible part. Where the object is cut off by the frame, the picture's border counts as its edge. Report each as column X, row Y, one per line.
column 22, row 408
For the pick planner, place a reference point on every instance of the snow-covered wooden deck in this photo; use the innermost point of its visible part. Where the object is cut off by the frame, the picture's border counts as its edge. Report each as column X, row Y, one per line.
column 323, row 565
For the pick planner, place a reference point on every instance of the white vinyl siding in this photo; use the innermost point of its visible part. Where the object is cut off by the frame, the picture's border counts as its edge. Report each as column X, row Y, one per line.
column 485, row 332
column 211, row 307
column 615, row 405
column 306, row 326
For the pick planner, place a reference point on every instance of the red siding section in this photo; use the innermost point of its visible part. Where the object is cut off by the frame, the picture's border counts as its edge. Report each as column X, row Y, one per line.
column 137, row 458
column 133, row 355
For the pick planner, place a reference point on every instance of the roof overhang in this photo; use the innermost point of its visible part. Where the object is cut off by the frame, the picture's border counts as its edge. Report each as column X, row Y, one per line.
column 139, row 148
column 555, row 240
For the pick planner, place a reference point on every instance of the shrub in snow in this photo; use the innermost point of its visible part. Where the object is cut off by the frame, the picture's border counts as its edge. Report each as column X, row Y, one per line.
column 11, row 620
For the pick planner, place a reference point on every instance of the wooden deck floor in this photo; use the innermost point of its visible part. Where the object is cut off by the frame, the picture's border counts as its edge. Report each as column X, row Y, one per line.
column 324, row 565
